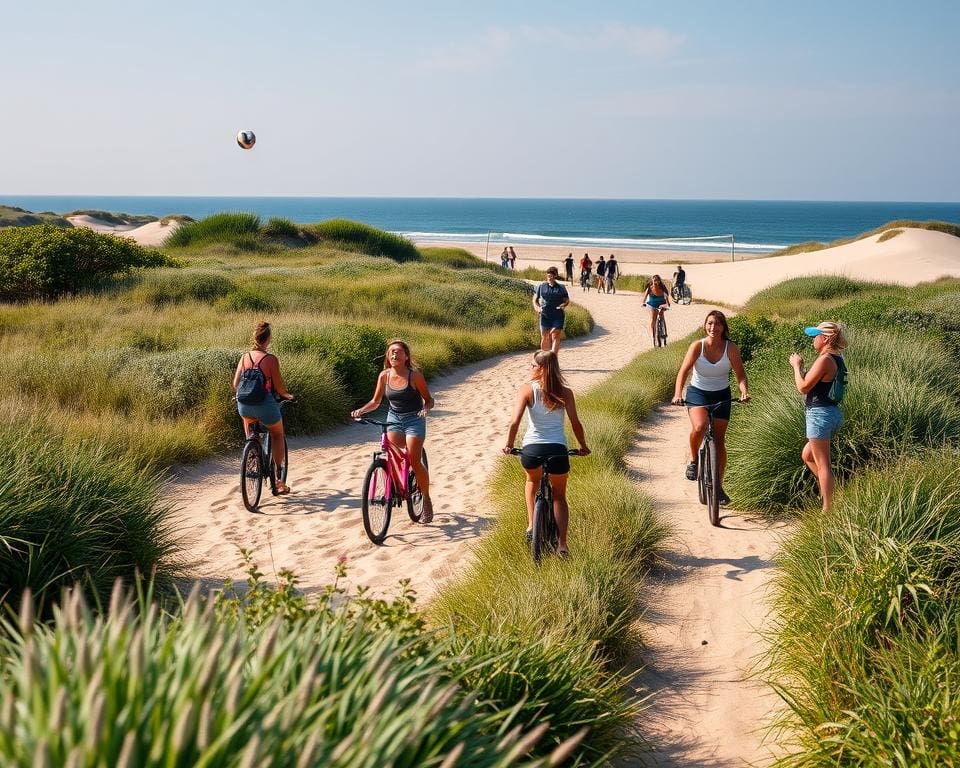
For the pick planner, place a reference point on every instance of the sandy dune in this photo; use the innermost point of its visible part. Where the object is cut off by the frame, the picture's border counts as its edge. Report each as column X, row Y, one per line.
column 153, row 233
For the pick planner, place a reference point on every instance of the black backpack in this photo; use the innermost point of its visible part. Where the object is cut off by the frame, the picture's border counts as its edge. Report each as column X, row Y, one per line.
column 252, row 389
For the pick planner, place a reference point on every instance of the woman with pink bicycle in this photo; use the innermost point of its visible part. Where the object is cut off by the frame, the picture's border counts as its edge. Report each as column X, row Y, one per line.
column 406, row 426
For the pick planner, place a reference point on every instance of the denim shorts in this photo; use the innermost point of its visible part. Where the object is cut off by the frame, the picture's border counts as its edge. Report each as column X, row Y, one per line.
column 551, row 322
column 700, row 397
column 408, row 424
column 823, row 422
column 267, row 412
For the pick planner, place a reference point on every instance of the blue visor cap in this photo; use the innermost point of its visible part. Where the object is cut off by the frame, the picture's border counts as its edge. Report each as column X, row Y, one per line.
column 812, row 331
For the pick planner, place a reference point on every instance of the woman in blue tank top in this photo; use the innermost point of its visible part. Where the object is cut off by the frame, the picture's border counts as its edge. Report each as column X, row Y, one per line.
column 823, row 416
column 655, row 296
column 546, row 398
column 710, row 361
column 410, row 401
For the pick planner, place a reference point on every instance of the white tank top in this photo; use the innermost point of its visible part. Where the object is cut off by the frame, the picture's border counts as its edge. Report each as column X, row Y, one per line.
column 711, row 377
column 543, row 425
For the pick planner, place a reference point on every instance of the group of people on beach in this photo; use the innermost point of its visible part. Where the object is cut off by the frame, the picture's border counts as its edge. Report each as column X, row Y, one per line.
column 549, row 402
column 607, row 272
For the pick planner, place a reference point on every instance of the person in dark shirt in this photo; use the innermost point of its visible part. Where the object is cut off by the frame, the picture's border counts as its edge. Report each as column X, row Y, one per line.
column 612, row 270
column 601, row 274
column 679, row 278
column 549, row 299
column 568, row 265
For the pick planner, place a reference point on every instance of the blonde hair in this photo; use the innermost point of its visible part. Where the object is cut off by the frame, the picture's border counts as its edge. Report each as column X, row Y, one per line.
column 550, row 378
column 834, row 335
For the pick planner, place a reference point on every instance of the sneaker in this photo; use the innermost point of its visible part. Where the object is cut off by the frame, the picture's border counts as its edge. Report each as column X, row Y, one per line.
column 722, row 498
column 691, row 471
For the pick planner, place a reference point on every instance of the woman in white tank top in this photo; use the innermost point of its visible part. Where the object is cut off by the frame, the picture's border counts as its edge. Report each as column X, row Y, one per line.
column 545, row 399
column 710, row 360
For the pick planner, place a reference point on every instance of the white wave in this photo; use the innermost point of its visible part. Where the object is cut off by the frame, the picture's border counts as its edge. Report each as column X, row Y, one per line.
column 706, row 242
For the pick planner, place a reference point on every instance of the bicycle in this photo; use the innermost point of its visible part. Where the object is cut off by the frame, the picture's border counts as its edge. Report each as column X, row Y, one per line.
column 585, row 279
column 389, row 482
column 545, row 534
column 661, row 327
column 681, row 294
column 708, row 476
column 257, row 454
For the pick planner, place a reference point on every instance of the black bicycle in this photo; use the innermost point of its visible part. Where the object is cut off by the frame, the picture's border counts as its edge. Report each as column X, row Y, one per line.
column 681, row 294
column 545, row 534
column 708, row 469
column 256, row 461
column 661, row 327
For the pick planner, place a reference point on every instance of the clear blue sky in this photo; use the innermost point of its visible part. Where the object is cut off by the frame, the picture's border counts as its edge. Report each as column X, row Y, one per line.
column 837, row 100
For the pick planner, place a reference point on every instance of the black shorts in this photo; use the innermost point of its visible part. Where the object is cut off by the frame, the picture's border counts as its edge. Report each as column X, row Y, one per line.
column 531, row 457
column 700, row 397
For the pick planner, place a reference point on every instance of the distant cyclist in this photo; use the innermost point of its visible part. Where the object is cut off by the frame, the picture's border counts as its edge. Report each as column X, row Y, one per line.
column 655, row 297
column 613, row 269
column 679, row 280
column 549, row 300
column 267, row 412
column 710, row 359
column 546, row 398
column 823, row 415
column 586, row 267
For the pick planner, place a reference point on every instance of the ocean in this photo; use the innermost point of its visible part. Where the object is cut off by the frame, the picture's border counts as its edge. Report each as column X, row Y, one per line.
column 756, row 225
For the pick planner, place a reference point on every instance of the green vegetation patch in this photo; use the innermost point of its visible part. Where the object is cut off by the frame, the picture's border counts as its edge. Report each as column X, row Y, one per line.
column 12, row 216
column 363, row 238
column 235, row 228
column 46, row 262
column 115, row 218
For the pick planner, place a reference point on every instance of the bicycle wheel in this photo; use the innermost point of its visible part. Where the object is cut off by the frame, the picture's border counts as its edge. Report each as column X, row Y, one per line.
column 251, row 475
column 661, row 330
column 282, row 474
column 676, row 293
column 414, row 495
column 701, row 482
column 712, row 482
column 541, row 533
column 376, row 502
column 687, row 295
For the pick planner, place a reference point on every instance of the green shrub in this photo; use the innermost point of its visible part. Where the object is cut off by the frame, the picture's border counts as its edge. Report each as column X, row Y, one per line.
column 455, row 258
column 46, row 262
column 280, row 227
column 804, row 296
column 76, row 514
column 247, row 299
column 219, row 228
column 170, row 287
column 365, row 239
column 173, row 383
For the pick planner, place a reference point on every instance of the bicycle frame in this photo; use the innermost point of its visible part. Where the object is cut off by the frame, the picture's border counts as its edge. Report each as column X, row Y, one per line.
column 398, row 465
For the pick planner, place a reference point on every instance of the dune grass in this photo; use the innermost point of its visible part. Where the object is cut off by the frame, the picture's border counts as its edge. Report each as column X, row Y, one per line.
column 352, row 235
column 221, row 227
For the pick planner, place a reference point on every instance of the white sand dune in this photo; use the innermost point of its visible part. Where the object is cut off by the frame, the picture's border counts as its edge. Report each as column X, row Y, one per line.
column 153, row 233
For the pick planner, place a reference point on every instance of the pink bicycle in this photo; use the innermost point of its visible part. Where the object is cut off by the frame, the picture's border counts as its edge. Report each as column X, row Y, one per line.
column 388, row 483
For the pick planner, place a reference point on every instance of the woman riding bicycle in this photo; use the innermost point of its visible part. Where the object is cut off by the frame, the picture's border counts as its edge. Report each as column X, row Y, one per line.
column 410, row 402
column 655, row 296
column 710, row 359
column 823, row 415
column 266, row 412
column 546, row 398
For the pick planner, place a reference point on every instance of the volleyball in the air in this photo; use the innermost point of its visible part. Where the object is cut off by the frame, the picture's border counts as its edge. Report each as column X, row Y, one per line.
column 246, row 139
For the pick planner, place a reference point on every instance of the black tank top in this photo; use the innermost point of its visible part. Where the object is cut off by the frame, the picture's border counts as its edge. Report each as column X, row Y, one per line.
column 405, row 400
column 819, row 396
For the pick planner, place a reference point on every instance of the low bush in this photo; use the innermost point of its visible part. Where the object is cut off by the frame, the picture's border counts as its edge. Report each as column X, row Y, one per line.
column 280, row 227
column 76, row 515
column 455, row 258
column 46, row 262
column 219, row 228
column 169, row 287
column 365, row 239
column 807, row 296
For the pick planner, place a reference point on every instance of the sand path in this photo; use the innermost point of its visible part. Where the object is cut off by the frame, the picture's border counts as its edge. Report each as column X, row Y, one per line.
column 320, row 522
column 705, row 605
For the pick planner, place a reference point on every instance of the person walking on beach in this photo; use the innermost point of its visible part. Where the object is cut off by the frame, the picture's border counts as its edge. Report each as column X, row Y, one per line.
column 568, row 266
column 586, row 267
column 546, row 398
column 601, row 275
column 505, row 259
column 823, row 387
column 549, row 299
column 512, row 257
column 410, row 401
column 267, row 411
column 710, row 359
column 612, row 269
column 679, row 278
column 655, row 297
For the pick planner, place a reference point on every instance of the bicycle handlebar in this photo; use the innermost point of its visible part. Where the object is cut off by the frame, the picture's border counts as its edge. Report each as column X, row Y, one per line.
column 711, row 406
column 570, row 452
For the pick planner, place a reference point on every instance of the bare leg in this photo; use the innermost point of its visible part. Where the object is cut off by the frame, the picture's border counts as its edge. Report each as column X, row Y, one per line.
column 720, row 434
column 530, row 490
column 545, row 339
column 277, row 444
column 555, row 335
column 820, row 450
column 698, row 428
column 561, row 510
